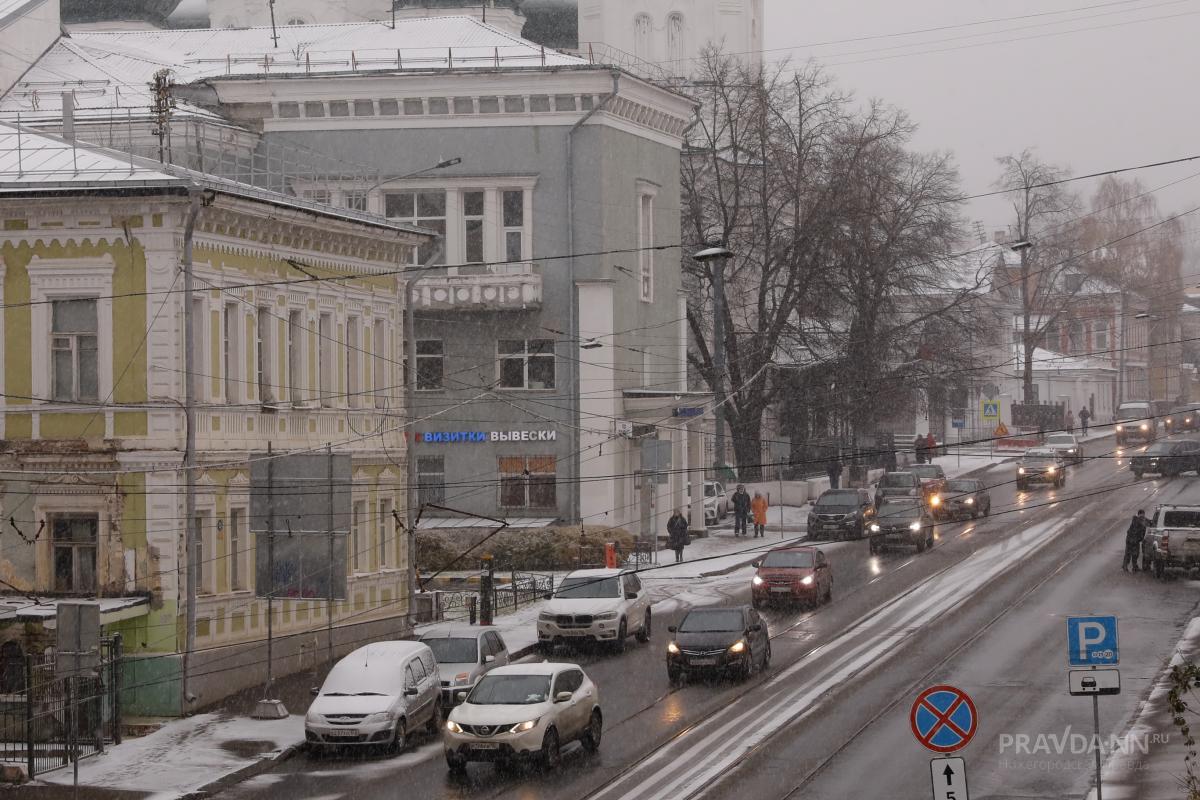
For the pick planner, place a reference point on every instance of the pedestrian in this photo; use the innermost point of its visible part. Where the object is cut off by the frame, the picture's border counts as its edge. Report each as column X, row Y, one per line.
column 741, row 510
column 759, row 506
column 1133, row 541
column 1070, row 421
column 931, row 446
column 677, row 534
column 833, row 468
column 1085, row 416
column 919, row 448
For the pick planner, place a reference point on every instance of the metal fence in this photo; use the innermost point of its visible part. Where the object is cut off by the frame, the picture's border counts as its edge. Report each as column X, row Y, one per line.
column 54, row 718
column 524, row 588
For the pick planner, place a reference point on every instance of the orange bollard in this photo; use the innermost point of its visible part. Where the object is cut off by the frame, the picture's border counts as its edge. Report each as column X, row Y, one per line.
column 610, row 555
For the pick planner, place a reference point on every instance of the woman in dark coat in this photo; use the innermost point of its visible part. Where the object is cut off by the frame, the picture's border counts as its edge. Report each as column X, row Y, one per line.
column 677, row 534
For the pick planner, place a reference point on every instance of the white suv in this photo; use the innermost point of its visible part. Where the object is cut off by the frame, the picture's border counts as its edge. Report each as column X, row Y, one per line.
column 602, row 605
column 524, row 712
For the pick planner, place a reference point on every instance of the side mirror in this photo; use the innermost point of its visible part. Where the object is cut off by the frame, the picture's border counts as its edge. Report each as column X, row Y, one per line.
column 756, row 564
column 631, row 595
column 489, row 659
column 563, row 697
column 411, row 691
column 672, row 629
column 314, row 691
column 462, row 697
column 756, row 627
column 548, row 596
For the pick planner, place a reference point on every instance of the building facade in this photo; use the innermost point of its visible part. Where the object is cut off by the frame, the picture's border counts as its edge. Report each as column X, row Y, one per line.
column 502, row 14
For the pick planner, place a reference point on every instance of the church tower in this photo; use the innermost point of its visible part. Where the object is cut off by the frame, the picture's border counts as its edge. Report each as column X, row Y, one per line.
column 673, row 33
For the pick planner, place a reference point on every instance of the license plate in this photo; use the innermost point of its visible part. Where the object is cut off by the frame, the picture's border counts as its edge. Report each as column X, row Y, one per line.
column 704, row 662
column 781, row 589
column 347, row 732
column 486, row 746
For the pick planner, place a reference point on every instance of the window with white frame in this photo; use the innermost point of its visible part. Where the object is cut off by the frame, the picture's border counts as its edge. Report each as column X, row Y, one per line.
column 645, row 246
column 385, row 525
column 73, row 540
column 316, row 195
column 513, row 210
column 237, row 549
column 431, row 480
column 326, row 378
column 643, row 27
column 1100, row 335
column 431, row 360
column 205, row 553
column 380, row 361
column 199, row 340
column 528, row 482
column 473, row 214
column 424, row 207
column 295, row 351
column 358, row 516
column 262, row 355
column 353, row 362
column 231, row 327
column 526, row 363
column 355, row 199
column 75, row 350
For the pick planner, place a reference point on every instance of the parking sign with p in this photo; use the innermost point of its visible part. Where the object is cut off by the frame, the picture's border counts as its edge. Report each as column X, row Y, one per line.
column 1092, row 641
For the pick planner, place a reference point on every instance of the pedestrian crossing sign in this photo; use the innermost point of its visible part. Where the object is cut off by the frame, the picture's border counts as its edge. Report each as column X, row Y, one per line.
column 990, row 410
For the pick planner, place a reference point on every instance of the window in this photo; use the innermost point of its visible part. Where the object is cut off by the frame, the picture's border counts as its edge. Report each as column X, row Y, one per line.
column 526, row 364
column 262, row 349
column 390, row 108
column 1100, row 332
column 424, row 207
column 339, row 108
column 73, row 339
column 385, row 530
column 645, row 246
column 325, row 376
column 675, row 45
column 527, row 482
column 642, row 26
column 430, row 364
column 431, row 480
column 295, row 351
column 355, row 200
column 205, row 553
column 230, row 353
column 358, row 514
column 464, row 105
column 513, row 201
column 473, row 204
column 199, row 313
column 380, row 360
column 414, row 107
column 314, row 108
column 489, row 105
column 439, row 105
column 364, row 108
column 316, row 195
column 418, row 669
column 236, row 544
column 353, row 360
column 74, row 538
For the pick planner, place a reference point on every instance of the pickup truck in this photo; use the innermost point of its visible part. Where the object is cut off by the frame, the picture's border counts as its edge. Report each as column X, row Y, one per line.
column 1172, row 539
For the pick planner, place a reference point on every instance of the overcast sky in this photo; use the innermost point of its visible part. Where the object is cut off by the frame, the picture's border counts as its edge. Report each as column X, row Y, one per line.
column 1125, row 94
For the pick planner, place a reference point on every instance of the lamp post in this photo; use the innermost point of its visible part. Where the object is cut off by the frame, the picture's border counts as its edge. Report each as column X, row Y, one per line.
column 443, row 164
column 1022, row 248
column 717, row 256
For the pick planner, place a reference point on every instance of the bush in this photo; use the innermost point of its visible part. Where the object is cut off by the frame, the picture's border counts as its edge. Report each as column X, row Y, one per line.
column 530, row 549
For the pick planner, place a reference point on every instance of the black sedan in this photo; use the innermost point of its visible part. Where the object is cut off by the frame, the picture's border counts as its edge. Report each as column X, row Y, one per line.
column 967, row 497
column 1183, row 418
column 1168, row 458
column 718, row 641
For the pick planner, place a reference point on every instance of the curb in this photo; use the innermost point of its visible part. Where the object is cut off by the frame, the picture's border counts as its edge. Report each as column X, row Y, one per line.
column 262, row 766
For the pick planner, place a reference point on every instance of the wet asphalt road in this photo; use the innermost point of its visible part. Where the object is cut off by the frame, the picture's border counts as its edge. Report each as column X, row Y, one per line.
column 1000, row 641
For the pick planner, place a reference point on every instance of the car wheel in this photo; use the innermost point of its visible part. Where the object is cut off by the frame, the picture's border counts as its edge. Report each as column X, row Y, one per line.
column 921, row 546
column 622, row 634
column 828, row 597
column 1021, row 485
column 675, row 678
column 434, row 726
column 874, row 548
column 1137, row 473
column 456, row 764
column 399, row 738
column 551, row 750
column 643, row 635
column 595, row 729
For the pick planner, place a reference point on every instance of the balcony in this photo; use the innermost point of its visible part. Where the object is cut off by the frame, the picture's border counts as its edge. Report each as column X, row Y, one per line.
column 481, row 291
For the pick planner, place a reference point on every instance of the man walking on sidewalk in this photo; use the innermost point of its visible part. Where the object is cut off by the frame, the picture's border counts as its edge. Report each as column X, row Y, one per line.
column 1133, row 541
column 741, row 510
column 759, row 506
column 1085, row 416
column 677, row 534
column 833, row 468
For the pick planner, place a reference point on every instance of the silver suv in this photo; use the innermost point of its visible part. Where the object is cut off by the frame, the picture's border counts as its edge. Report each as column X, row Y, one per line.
column 600, row 605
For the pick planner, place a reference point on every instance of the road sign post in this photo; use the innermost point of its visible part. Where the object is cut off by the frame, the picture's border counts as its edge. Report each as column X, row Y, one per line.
column 949, row 776
column 1092, row 642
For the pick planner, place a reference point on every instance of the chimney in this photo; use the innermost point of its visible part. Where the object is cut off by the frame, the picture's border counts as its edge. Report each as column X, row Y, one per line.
column 68, row 116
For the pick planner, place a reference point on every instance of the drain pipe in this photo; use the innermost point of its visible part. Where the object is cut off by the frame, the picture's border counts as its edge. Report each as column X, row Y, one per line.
column 573, row 305
column 189, row 451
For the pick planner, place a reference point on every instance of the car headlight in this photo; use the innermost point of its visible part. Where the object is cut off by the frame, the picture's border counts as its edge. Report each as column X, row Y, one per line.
column 672, row 648
column 382, row 716
column 757, row 581
column 935, row 500
column 875, row 527
column 1145, row 427
column 606, row 615
column 527, row 725
column 313, row 719
column 807, row 580
column 1020, row 470
column 970, row 501
column 1168, row 420
column 1120, row 427
column 1049, row 470
column 462, row 679
column 738, row 647
column 453, row 726
column 546, row 616
column 916, row 526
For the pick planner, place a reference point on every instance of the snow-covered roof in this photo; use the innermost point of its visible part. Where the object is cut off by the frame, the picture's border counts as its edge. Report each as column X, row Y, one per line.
column 1050, row 361
column 11, row 8
column 112, row 609
column 431, row 523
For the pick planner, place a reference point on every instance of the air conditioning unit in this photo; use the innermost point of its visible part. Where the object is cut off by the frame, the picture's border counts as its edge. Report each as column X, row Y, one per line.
column 623, row 429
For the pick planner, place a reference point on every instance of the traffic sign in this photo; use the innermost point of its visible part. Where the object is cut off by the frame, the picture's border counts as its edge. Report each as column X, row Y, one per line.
column 1001, row 430
column 949, row 778
column 1085, row 682
column 990, row 410
column 943, row 719
column 1092, row 642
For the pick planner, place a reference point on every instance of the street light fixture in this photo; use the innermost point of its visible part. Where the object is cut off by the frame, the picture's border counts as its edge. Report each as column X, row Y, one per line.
column 718, row 255
column 1017, row 247
column 443, row 164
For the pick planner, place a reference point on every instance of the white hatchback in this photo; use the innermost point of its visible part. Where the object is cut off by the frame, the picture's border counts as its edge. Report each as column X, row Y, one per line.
column 524, row 712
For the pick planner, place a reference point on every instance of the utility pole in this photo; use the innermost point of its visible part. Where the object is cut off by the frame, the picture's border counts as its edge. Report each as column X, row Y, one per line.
column 274, row 32
column 1123, row 329
column 718, row 256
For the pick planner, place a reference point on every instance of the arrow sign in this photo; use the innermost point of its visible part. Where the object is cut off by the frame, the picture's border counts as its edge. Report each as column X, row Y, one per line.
column 949, row 777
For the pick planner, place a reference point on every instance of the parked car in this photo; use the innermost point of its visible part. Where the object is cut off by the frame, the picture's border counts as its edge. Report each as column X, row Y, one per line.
column 967, row 497
column 524, row 712
column 716, row 502
column 841, row 514
column 727, row 641
column 376, row 696
column 1183, row 418
column 933, row 484
column 1041, row 465
column 897, row 484
column 904, row 522
column 1172, row 539
column 464, row 655
column 1168, row 458
column 1135, row 423
column 599, row 605
column 1069, row 448
column 792, row 574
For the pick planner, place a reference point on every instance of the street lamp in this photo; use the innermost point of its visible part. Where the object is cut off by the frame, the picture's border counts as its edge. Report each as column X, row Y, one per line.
column 443, row 164
column 718, row 255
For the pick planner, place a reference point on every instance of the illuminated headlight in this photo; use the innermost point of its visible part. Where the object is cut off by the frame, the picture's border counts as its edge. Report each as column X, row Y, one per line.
column 970, row 501
column 1145, row 427
column 1071, row 451
column 874, row 527
column 1168, row 420
column 1020, row 470
column 1120, row 427
column 606, row 615
column 527, row 725
column 807, row 580
column 1049, row 470
column 757, row 581
column 738, row 647
column 382, row 716
column 462, row 679
column 916, row 526
column 453, row 726
column 935, row 500
column 672, row 648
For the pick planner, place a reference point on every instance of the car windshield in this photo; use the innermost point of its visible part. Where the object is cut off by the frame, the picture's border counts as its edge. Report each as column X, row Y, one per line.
column 925, row 471
column 711, row 621
column 510, row 690
column 456, row 650
column 837, row 502
column 582, row 587
column 1142, row 412
column 1060, row 438
column 1038, row 461
column 897, row 480
column 788, row 559
column 710, row 490
column 899, row 510
column 962, row 486
column 1160, row 448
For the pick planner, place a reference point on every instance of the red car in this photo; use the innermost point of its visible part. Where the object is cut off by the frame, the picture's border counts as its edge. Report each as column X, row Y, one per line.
column 791, row 574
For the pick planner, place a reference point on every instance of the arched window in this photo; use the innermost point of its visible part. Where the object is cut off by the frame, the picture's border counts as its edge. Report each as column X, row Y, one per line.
column 643, row 26
column 676, row 51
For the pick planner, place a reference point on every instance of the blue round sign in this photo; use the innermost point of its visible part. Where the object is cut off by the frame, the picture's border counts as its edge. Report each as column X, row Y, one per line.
column 943, row 719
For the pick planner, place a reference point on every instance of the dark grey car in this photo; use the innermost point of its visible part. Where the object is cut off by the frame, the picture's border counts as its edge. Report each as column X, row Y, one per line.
column 841, row 514
column 967, row 497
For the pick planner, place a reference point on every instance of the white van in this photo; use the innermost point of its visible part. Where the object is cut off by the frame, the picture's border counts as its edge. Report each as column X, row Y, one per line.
column 376, row 696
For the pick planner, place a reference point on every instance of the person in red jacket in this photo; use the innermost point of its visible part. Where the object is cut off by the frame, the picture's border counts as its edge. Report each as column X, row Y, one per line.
column 930, row 446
